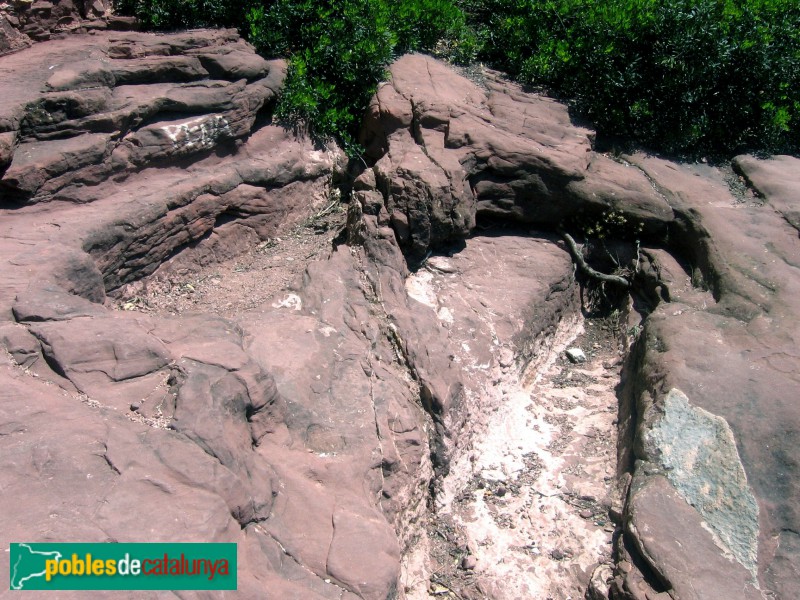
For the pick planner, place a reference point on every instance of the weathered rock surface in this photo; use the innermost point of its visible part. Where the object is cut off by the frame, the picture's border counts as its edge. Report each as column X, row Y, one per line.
column 446, row 151
column 731, row 350
column 313, row 428
column 11, row 39
column 78, row 114
column 729, row 355
column 23, row 22
column 188, row 428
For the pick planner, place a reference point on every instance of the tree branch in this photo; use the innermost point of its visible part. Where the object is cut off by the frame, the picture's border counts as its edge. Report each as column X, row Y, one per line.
column 578, row 258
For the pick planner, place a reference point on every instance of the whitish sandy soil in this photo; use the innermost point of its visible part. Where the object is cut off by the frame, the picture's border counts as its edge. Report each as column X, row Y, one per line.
column 524, row 512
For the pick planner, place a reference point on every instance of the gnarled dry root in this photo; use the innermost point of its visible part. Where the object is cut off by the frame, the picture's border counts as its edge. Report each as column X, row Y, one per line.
column 581, row 262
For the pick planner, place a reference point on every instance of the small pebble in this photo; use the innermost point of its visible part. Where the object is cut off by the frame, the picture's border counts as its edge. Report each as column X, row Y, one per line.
column 506, row 357
column 468, row 563
column 586, row 514
column 135, row 406
column 576, row 355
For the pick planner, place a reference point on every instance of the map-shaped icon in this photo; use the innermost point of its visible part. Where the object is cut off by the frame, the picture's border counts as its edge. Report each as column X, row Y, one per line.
column 27, row 564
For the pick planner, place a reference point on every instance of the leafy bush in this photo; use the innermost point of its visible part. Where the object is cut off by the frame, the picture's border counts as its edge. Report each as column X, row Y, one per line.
column 177, row 14
column 339, row 51
column 680, row 75
column 422, row 24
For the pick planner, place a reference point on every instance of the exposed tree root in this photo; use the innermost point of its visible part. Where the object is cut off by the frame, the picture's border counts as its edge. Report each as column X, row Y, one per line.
column 581, row 262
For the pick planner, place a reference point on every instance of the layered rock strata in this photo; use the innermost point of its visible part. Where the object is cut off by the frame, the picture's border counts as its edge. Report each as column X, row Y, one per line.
column 314, row 429
column 126, row 426
column 23, row 22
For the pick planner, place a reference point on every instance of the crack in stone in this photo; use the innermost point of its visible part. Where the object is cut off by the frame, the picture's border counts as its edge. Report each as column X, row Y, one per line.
column 377, row 427
column 325, row 580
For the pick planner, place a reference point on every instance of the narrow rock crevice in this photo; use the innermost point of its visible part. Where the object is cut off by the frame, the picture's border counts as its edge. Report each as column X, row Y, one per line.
column 111, row 465
column 325, row 579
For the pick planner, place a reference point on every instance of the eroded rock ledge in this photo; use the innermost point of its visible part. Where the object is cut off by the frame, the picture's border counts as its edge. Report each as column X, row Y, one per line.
column 313, row 429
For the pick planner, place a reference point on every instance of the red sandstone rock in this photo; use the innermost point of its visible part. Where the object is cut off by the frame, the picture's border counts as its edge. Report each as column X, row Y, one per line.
column 309, row 429
column 446, row 151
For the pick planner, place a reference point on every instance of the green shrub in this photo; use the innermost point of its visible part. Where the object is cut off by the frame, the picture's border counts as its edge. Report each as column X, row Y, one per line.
column 421, row 24
column 177, row 14
column 683, row 76
column 339, row 51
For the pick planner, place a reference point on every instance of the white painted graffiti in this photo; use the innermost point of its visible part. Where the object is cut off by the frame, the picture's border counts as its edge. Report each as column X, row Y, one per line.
column 199, row 133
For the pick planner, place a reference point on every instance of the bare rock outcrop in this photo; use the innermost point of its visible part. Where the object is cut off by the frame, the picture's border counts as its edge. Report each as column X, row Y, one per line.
column 710, row 379
column 130, row 149
column 707, row 420
column 25, row 21
column 78, row 114
column 315, row 429
column 447, row 151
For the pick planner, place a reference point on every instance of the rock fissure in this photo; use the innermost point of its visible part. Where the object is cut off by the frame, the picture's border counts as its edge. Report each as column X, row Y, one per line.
column 378, row 435
column 325, row 580
column 111, row 465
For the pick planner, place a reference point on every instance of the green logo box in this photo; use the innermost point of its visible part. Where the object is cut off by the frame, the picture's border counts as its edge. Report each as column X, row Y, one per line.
column 110, row 566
